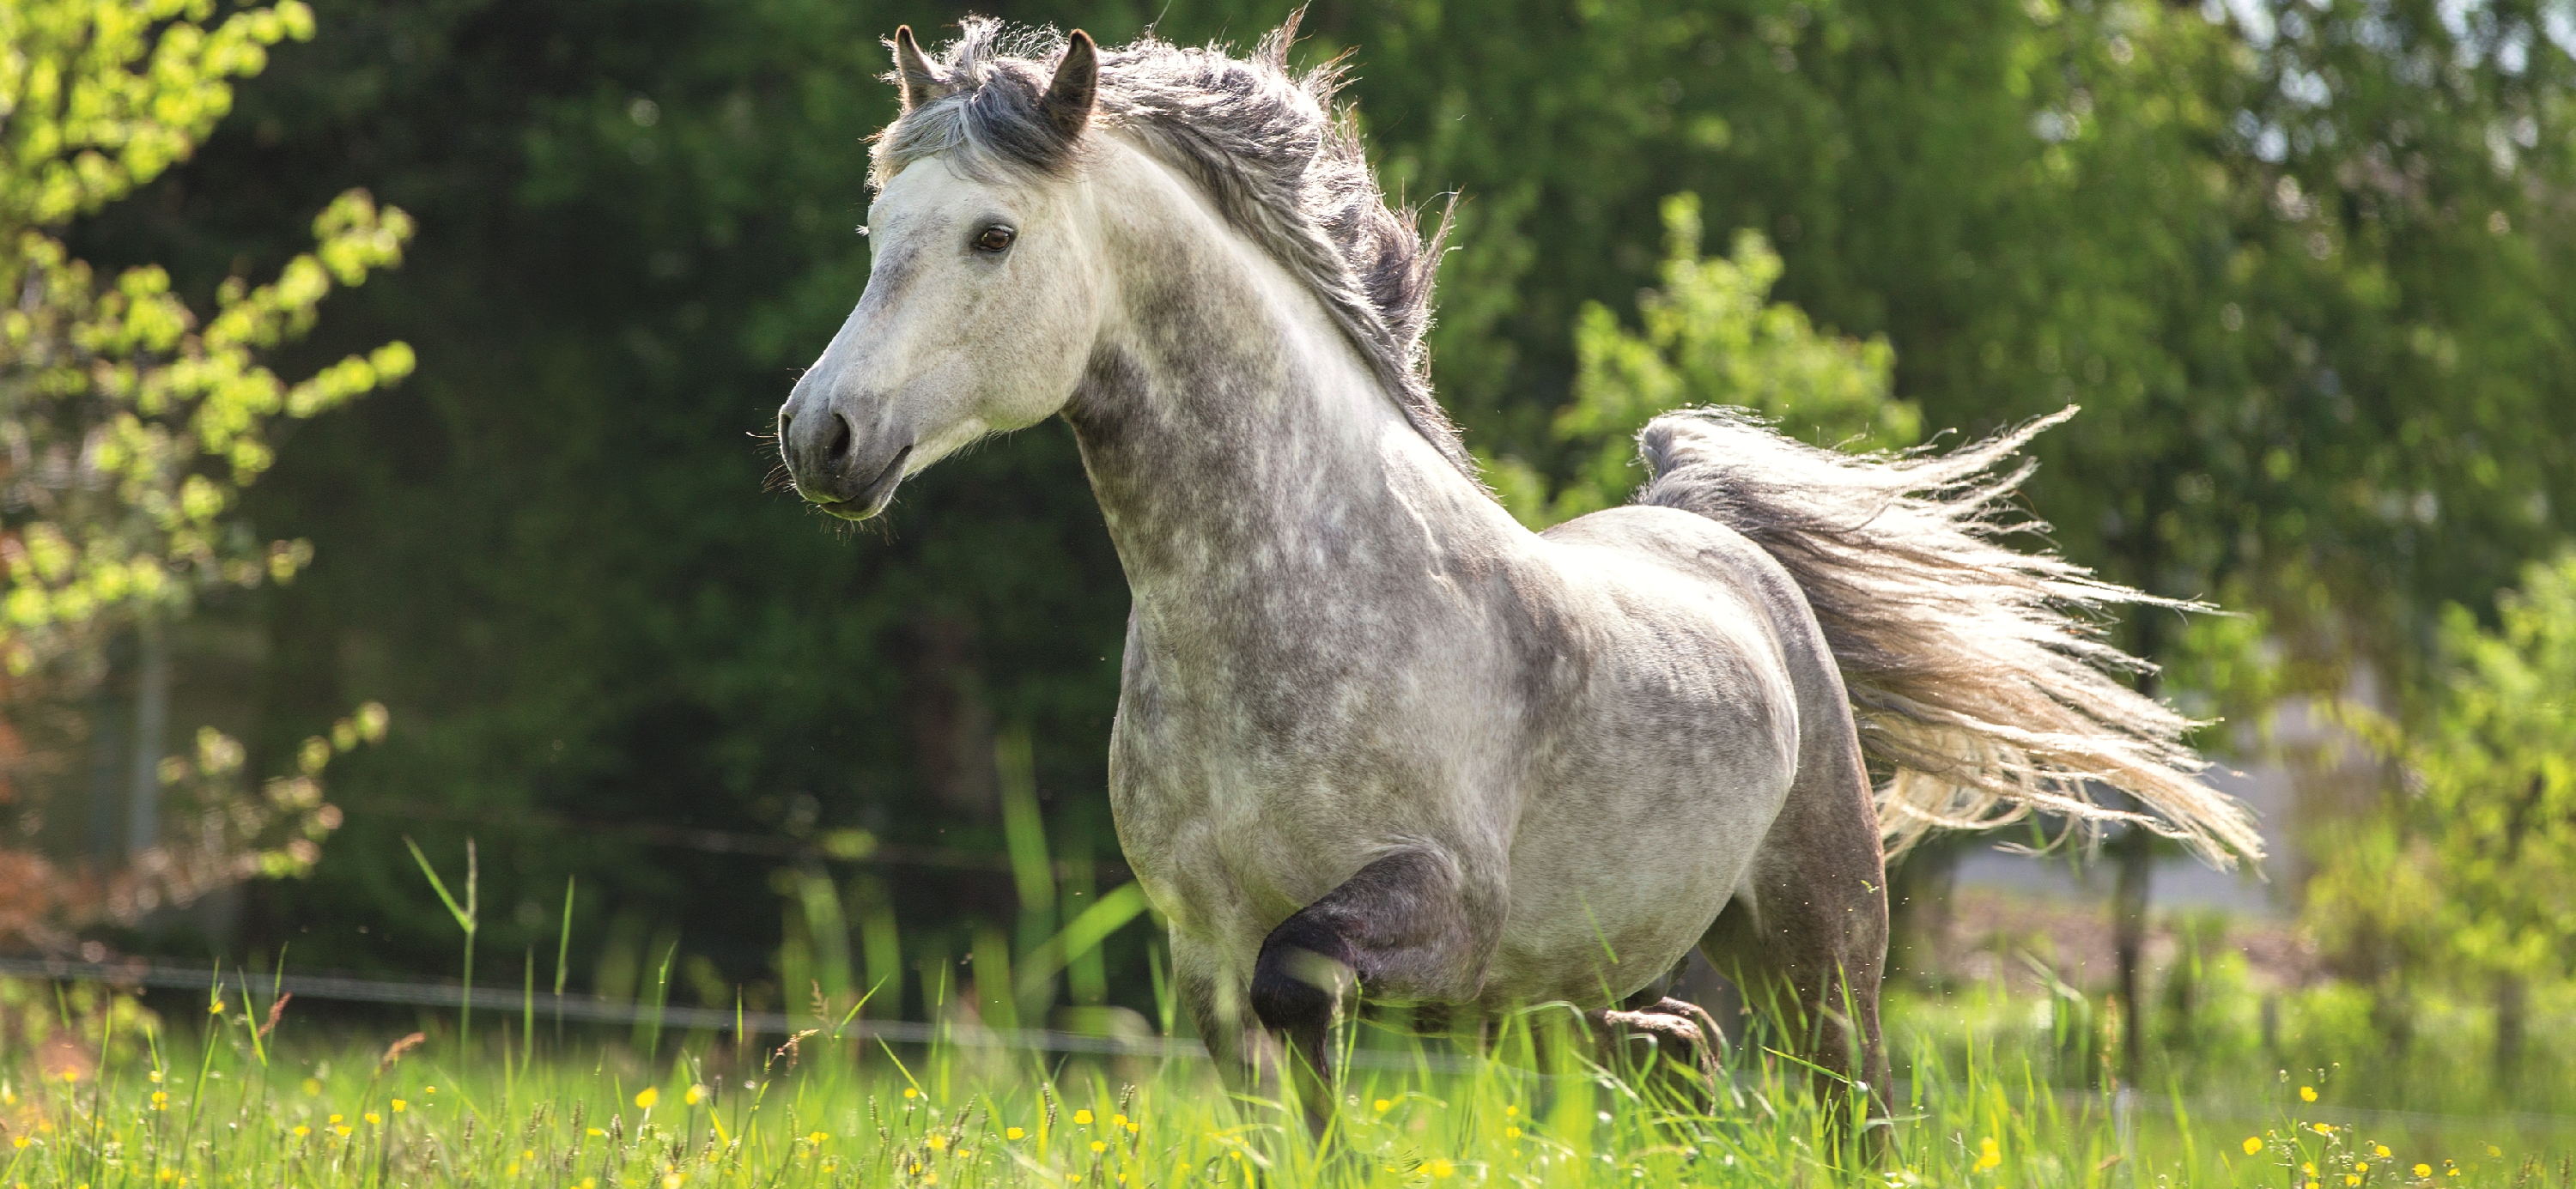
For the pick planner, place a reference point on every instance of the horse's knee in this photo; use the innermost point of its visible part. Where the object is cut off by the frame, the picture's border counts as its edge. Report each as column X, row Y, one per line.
column 1406, row 926
column 1306, row 967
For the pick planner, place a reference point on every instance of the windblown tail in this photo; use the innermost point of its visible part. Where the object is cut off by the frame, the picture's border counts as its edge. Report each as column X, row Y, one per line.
column 1977, row 672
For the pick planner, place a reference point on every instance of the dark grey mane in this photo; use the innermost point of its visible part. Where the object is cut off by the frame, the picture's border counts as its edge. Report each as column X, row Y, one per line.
column 1265, row 144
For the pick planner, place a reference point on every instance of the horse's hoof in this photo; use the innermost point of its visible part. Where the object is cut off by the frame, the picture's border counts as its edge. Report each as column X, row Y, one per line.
column 1677, row 1023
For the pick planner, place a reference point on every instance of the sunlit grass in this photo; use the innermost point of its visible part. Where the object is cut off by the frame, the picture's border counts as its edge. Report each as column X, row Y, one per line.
column 225, row 1106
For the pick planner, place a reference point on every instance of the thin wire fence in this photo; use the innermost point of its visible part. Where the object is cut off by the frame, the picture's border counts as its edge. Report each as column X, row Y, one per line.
column 579, row 1009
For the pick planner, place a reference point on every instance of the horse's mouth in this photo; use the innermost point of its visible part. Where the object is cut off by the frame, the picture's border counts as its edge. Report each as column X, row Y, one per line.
column 872, row 498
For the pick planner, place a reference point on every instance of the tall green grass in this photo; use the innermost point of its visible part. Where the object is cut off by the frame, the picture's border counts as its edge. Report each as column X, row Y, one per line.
column 215, row 1102
column 1996, row 1087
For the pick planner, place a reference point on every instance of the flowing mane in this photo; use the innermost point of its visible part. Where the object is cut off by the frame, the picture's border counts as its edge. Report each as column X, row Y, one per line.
column 1266, row 145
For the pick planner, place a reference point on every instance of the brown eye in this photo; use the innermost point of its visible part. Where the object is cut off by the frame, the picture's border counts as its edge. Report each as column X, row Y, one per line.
column 994, row 239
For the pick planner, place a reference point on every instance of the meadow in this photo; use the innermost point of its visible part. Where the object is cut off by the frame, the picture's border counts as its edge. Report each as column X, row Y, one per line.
column 99, row 1091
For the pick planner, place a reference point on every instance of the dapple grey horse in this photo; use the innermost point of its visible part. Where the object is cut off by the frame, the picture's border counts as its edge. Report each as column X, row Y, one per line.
column 1376, row 739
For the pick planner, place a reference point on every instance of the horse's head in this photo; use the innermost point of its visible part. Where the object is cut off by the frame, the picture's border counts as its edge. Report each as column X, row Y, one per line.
column 985, row 293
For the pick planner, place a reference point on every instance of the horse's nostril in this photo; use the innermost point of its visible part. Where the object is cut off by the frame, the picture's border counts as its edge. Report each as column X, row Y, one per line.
column 840, row 437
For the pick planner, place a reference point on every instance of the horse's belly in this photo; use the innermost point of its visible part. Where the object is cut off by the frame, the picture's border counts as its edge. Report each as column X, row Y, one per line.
column 1595, row 921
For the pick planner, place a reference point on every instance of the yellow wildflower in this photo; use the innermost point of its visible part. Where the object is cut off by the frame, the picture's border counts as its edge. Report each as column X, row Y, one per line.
column 646, row 1097
column 1989, row 1154
column 301, row 1131
column 2322, row 1128
column 374, row 1119
column 1098, row 1147
column 342, row 1131
column 335, row 1120
column 598, row 1131
column 1511, row 1112
column 427, row 1090
column 400, row 1106
column 2379, row 1150
column 160, row 1100
column 2423, row 1170
column 2350, row 1179
column 1381, row 1105
column 1511, row 1133
column 312, row 1086
column 19, row 1141
column 2253, row 1144
column 2493, row 1150
column 1117, row 1120
column 1133, row 1128
column 1440, row 1167
column 672, row 1180
column 1012, row 1133
column 909, row 1092
column 817, row 1139
column 2307, row 1094
column 1082, row 1118
column 694, row 1096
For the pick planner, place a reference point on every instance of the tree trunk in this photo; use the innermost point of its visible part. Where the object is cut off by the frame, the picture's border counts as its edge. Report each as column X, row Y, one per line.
column 151, row 734
column 2509, row 1018
column 2134, row 849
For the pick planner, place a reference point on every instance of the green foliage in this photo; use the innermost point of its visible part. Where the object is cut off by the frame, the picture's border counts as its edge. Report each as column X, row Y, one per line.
column 131, row 427
column 1711, row 336
column 2473, row 875
column 2301, row 265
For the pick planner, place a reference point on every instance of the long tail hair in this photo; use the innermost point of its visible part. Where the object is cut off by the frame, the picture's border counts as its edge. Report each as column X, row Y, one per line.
column 1977, row 672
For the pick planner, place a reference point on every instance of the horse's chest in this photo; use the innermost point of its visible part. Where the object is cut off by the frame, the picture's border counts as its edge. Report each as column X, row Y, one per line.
column 1248, row 781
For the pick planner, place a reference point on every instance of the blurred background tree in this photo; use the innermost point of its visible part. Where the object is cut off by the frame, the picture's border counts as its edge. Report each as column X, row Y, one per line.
column 2307, row 266
column 130, row 429
column 2469, row 872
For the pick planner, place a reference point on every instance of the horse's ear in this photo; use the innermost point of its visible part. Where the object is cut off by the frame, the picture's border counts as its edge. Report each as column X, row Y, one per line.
column 920, row 80
column 1067, row 105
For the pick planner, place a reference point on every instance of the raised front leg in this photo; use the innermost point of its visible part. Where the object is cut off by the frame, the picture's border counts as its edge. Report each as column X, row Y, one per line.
column 1410, row 927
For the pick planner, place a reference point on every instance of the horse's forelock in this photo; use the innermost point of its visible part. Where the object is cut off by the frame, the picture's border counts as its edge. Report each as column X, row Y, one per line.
column 1265, row 143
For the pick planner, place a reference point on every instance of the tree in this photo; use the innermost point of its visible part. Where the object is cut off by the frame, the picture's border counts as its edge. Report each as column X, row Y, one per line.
column 130, row 428
column 1710, row 336
column 2471, row 874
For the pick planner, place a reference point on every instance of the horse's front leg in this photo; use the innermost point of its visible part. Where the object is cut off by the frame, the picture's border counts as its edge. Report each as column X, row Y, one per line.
column 1414, row 925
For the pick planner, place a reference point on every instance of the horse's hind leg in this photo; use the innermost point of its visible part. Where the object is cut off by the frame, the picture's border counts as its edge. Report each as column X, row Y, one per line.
column 1412, row 925
column 1806, row 934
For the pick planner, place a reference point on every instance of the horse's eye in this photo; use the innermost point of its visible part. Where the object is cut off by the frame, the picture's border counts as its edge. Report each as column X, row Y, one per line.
column 994, row 239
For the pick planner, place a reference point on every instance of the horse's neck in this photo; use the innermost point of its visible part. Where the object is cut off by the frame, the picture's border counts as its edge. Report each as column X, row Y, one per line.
column 1234, row 436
